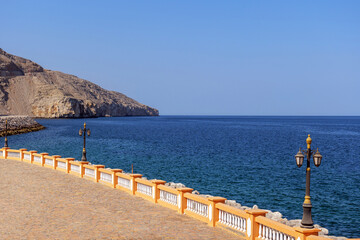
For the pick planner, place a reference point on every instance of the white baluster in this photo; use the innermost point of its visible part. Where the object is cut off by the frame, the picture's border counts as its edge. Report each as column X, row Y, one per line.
column 267, row 233
column 274, row 234
column 264, row 232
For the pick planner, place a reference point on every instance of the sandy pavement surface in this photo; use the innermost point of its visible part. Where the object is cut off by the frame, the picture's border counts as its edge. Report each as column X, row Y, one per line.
column 42, row 203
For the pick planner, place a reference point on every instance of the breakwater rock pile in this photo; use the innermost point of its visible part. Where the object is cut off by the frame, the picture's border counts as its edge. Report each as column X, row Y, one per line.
column 18, row 125
column 26, row 88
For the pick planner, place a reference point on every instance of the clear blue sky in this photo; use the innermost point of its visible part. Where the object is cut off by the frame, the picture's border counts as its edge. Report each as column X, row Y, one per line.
column 200, row 57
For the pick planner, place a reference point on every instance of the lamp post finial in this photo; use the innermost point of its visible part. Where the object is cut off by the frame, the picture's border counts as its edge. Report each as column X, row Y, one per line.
column 308, row 141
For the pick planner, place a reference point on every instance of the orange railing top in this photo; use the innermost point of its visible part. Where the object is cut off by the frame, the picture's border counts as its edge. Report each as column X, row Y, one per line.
column 51, row 157
column 78, row 163
column 91, row 166
column 13, row 150
column 128, row 175
column 109, row 171
column 65, row 159
column 40, row 154
column 197, row 198
column 144, row 181
column 30, row 151
column 230, row 209
column 168, row 189
column 277, row 226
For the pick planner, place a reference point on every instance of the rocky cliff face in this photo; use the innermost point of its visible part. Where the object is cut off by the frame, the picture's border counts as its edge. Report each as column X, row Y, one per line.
column 28, row 89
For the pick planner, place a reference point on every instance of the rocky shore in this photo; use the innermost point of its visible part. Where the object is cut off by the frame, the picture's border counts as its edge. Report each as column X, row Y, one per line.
column 18, row 124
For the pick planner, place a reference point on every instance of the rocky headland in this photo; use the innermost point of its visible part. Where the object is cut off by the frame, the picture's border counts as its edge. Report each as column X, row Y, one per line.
column 18, row 125
column 26, row 88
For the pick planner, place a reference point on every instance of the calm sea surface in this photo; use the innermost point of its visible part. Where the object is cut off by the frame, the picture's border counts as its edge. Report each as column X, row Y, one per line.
column 247, row 159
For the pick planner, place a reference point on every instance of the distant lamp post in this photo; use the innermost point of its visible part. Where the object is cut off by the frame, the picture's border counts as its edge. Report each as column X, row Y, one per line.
column 6, row 141
column 84, row 132
column 307, row 221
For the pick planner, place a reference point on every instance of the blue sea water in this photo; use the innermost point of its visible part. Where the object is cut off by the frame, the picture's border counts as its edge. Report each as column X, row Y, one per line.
column 247, row 159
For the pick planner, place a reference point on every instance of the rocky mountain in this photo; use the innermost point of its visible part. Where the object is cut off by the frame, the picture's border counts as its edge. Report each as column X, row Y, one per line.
column 26, row 88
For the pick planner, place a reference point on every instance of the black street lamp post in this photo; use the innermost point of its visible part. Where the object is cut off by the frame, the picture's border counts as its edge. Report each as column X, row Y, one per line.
column 83, row 132
column 6, row 141
column 307, row 221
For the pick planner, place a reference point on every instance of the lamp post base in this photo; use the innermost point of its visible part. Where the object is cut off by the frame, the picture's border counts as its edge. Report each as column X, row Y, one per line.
column 307, row 221
column 83, row 158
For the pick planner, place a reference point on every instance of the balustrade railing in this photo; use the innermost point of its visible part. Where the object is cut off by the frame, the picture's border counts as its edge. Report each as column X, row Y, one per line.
column 90, row 172
column 197, row 207
column 123, row 182
column 144, row 189
column 268, row 233
column 169, row 197
column 232, row 220
column 27, row 156
column 61, row 165
column 37, row 159
column 49, row 162
column 14, row 154
column 75, row 168
column 106, row 177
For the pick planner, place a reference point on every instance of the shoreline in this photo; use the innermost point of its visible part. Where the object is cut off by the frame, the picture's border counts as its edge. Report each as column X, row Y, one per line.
column 19, row 125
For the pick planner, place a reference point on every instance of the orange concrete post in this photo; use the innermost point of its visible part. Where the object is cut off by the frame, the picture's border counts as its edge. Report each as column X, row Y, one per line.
column 182, row 202
column 114, row 178
column 80, row 164
column 133, row 185
column 32, row 156
column 112, row 173
column 55, row 160
column 156, row 190
column 22, row 150
column 95, row 168
column 5, row 153
column 97, row 172
column 82, row 170
column 213, row 211
column 43, row 158
column 304, row 232
column 252, row 227
column 68, row 160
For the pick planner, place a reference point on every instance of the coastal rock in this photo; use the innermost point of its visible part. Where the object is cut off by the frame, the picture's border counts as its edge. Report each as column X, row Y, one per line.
column 245, row 208
column 205, row 195
column 174, row 185
column 294, row 223
column 18, row 124
column 276, row 216
column 26, row 88
column 323, row 232
column 233, row 203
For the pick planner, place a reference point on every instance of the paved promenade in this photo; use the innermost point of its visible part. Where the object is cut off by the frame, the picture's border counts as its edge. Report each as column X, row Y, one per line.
column 41, row 203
